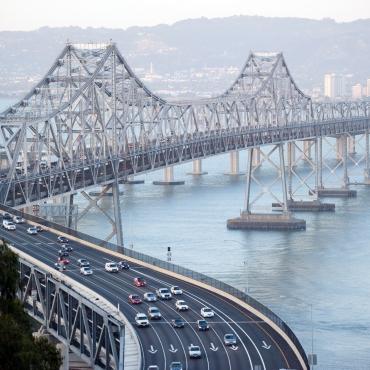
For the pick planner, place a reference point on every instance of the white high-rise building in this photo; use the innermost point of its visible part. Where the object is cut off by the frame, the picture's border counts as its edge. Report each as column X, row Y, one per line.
column 334, row 85
column 357, row 91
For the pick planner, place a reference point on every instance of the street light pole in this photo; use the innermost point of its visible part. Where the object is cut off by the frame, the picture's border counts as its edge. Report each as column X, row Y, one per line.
column 245, row 264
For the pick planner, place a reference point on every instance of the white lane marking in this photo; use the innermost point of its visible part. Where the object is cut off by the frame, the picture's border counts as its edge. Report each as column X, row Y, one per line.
column 172, row 349
column 264, row 345
column 234, row 347
column 152, row 350
column 213, row 348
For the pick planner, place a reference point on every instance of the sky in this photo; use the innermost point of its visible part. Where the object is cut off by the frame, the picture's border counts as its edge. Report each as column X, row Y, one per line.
column 32, row 14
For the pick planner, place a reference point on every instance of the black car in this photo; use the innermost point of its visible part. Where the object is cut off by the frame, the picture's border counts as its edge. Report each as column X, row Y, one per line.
column 67, row 248
column 177, row 323
column 7, row 216
column 123, row 265
column 59, row 266
column 39, row 229
column 62, row 239
column 202, row 325
column 63, row 253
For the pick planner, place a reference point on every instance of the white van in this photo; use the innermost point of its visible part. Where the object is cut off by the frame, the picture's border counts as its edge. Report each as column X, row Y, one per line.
column 9, row 225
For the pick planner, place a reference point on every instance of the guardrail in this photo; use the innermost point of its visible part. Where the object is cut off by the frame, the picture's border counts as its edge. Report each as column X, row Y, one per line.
column 174, row 268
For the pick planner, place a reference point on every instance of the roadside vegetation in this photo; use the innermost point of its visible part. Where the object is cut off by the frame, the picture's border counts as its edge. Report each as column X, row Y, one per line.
column 19, row 349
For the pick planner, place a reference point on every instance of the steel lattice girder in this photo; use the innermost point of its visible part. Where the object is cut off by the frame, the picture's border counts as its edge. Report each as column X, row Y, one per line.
column 83, row 326
column 90, row 120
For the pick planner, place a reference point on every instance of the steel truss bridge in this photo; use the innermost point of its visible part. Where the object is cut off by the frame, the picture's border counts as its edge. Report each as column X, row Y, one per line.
column 90, row 121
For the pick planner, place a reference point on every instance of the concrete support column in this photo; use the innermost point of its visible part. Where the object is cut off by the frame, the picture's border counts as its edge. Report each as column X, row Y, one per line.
column 197, row 168
column 70, row 209
column 234, row 164
column 291, row 161
column 345, row 162
column 340, row 147
column 64, row 352
column 168, row 178
column 256, row 158
column 307, row 144
column 351, row 145
column 283, row 179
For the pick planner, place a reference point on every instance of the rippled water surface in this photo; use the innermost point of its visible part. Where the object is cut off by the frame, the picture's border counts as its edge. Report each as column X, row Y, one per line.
column 326, row 266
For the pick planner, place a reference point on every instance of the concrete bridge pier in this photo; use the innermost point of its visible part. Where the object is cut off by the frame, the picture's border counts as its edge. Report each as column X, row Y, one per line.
column 132, row 181
column 234, row 164
column 307, row 145
column 249, row 220
column 168, row 178
column 197, row 168
column 352, row 145
column 344, row 191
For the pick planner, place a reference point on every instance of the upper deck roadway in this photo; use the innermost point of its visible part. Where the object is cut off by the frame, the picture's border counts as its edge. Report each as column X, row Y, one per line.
column 259, row 345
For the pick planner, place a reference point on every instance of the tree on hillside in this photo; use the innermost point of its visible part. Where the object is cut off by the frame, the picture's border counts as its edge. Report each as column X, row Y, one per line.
column 18, row 348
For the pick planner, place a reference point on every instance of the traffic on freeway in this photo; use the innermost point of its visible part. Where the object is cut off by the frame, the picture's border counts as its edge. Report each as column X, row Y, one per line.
column 179, row 325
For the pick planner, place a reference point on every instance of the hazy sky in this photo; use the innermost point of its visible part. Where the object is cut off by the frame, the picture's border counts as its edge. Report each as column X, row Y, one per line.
column 31, row 14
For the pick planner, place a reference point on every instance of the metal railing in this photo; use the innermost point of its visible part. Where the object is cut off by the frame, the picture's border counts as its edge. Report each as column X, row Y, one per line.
column 174, row 268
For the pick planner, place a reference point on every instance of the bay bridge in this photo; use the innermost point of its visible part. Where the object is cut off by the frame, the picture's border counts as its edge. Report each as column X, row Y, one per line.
column 91, row 122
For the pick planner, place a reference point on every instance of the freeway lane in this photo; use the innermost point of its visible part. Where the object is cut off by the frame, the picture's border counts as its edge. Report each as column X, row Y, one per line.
column 258, row 344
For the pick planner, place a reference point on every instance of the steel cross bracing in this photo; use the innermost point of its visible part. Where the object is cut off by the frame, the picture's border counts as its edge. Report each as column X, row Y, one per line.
column 77, row 320
column 91, row 121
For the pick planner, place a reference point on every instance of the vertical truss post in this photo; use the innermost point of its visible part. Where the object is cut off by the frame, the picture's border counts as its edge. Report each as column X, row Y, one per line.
column 345, row 161
column 121, row 347
column 283, row 179
column 117, row 213
column 367, row 158
column 291, row 155
column 247, row 209
column 317, row 180
column 70, row 211
column 319, row 165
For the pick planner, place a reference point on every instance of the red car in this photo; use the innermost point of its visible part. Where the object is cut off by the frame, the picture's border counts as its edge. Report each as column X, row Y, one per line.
column 139, row 281
column 134, row 299
column 63, row 260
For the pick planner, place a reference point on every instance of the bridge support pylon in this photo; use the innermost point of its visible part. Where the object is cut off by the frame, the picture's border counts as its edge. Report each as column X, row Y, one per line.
column 234, row 164
column 342, row 160
column 197, row 168
column 169, row 178
column 250, row 220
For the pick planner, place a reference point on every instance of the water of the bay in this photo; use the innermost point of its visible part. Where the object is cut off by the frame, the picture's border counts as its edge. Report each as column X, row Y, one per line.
column 326, row 266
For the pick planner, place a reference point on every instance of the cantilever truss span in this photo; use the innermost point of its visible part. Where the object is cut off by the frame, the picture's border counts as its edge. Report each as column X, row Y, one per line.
column 91, row 121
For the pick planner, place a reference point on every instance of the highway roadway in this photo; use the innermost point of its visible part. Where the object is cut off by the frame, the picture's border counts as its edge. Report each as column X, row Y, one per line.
column 259, row 347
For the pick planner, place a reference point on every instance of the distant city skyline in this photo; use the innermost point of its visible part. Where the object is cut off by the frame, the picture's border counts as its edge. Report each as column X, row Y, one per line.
column 25, row 15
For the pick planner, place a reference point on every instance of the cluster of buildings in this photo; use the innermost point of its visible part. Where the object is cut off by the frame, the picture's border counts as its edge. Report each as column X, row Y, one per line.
column 339, row 86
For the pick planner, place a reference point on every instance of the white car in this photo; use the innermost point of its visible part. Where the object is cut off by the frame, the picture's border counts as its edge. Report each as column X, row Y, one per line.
column 163, row 293
column 9, row 225
column 19, row 220
column 86, row 270
column 111, row 267
column 175, row 290
column 207, row 312
column 150, row 297
column 32, row 230
column 181, row 305
column 194, row 351
column 82, row 262
column 141, row 320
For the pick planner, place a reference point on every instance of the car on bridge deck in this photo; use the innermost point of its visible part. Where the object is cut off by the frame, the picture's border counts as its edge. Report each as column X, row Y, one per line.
column 63, row 260
column 194, row 351
column 163, row 293
column 82, row 262
column 141, row 320
column 175, row 290
column 140, row 282
column 176, row 365
column 62, row 239
column 123, row 265
column 39, row 229
column 59, row 266
column 181, row 305
column 67, row 248
column 134, row 299
column 9, row 225
column 150, row 297
column 63, row 253
column 230, row 339
column 7, row 216
column 202, row 325
column 153, row 367
column 32, row 230
column 111, row 267
column 19, row 220
column 86, row 270
column 207, row 312
column 177, row 323
column 154, row 313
